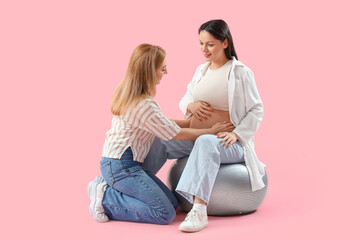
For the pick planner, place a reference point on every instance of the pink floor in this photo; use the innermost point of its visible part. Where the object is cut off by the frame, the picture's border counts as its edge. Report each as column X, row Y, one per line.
column 293, row 209
column 316, row 208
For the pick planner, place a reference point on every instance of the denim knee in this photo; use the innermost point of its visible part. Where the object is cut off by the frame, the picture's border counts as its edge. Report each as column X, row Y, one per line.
column 171, row 216
column 167, row 218
column 207, row 140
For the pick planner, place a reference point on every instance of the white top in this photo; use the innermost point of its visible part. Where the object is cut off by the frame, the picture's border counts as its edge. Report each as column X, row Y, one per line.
column 246, row 113
column 137, row 129
column 213, row 87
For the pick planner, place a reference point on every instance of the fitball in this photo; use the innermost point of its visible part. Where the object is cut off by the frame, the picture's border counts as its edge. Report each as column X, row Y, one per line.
column 231, row 195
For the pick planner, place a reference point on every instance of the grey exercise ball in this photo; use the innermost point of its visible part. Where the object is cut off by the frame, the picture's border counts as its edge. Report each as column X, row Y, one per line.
column 231, row 195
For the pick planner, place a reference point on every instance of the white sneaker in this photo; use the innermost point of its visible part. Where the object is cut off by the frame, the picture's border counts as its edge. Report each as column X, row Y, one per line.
column 195, row 221
column 96, row 191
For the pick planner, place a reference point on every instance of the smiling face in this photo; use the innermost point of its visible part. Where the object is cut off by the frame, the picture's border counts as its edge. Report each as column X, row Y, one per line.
column 161, row 71
column 212, row 48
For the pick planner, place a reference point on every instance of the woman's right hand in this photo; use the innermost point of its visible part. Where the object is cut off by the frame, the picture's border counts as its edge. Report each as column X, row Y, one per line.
column 201, row 110
column 222, row 127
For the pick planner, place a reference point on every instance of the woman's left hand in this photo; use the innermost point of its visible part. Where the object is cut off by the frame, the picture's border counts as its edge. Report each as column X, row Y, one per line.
column 228, row 138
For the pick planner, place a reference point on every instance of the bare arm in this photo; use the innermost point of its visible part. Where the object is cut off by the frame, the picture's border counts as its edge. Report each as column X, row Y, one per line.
column 183, row 123
column 193, row 134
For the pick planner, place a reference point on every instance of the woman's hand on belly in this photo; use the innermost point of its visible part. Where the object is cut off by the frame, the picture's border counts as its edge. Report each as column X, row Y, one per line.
column 201, row 110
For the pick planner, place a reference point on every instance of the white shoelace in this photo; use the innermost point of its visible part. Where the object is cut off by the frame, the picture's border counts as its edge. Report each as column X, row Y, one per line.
column 192, row 215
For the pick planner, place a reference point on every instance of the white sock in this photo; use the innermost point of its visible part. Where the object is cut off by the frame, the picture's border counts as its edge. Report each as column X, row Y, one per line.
column 201, row 207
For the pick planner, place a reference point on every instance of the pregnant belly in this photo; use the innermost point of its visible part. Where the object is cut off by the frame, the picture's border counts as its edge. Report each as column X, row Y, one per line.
column 216, row 116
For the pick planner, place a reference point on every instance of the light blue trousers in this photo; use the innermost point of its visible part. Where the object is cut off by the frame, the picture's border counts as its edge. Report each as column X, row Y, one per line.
column 205, row 157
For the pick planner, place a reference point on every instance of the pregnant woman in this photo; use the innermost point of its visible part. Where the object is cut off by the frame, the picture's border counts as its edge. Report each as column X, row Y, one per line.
column 223, row 89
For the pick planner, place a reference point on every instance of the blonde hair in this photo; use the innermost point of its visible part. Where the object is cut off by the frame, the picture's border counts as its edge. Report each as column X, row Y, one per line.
column 140, row 79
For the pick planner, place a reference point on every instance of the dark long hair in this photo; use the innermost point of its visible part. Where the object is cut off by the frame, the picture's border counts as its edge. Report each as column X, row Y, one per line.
column 219, row 29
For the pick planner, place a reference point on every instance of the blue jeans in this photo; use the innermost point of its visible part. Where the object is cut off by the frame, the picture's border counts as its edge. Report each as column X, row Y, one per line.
column 134, row 194
column 205, row 157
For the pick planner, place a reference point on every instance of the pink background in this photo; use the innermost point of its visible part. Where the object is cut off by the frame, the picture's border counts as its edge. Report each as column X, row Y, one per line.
column 60, row 62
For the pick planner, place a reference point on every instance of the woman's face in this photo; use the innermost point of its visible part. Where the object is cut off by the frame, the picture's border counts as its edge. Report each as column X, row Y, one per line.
column 161, row 71
column 212, row 48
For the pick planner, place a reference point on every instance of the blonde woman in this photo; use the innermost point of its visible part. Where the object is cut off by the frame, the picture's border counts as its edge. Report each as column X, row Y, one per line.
column 127, row 192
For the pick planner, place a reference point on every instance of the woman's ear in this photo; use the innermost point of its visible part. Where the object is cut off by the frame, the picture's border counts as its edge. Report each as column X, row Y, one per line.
column 225, row 44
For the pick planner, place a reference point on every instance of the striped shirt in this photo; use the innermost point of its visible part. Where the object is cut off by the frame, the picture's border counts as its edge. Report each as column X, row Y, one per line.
column 136, row 128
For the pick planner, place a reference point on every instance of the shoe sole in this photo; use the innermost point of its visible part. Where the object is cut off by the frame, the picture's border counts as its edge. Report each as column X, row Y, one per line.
column 193, row 230
column 92, row 186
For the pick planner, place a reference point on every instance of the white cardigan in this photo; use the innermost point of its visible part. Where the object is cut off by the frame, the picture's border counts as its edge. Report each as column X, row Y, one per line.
column 246, row 113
